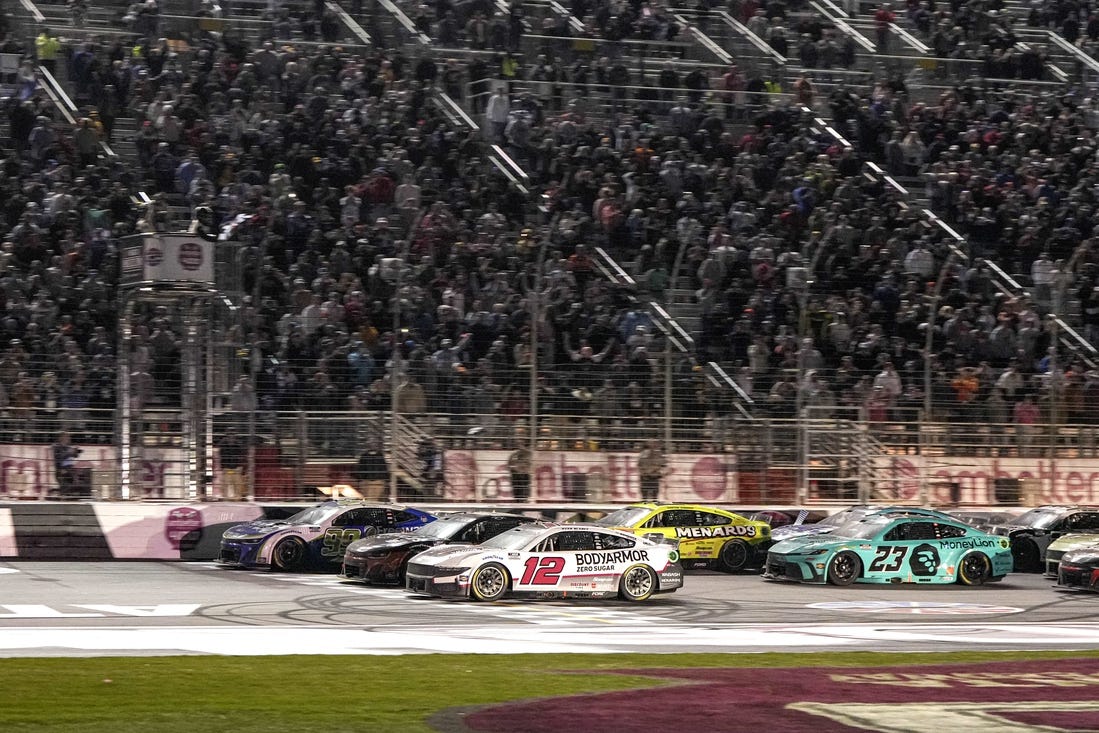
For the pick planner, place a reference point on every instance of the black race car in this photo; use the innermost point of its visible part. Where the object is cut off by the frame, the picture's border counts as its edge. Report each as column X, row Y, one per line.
column 1032, row 532
column 384, row 559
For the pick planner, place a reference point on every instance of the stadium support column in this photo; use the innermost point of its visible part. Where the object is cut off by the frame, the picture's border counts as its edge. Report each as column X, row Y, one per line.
column 929, row 335
column 535, row 315
column 123, row 421
column 395, row 373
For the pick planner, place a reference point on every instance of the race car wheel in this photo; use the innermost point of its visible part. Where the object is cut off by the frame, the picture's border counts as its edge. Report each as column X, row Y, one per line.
column 489, row 583
column 844, row 568
column 734, row 556
column 637, row 584
column 1026, row 555
column 289, row 554
column 975, row 569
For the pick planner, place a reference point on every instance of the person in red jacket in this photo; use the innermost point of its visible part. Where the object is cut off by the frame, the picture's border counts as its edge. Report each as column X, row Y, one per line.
column 883, row 18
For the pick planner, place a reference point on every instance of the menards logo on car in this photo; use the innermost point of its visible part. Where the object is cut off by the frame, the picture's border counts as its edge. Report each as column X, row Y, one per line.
column 725, row 531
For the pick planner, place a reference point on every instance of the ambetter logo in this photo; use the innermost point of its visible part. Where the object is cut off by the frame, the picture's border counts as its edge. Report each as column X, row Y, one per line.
column 190, row 256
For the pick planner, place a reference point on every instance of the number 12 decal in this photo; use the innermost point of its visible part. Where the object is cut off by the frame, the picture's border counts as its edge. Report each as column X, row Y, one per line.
column 542, row 571
column 882, row 554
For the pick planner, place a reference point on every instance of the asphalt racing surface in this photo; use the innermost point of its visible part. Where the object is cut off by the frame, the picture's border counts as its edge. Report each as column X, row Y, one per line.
column 144, row 608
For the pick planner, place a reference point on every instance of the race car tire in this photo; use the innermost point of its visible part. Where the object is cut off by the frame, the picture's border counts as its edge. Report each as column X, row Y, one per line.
column 975, row 569
column 734, row 556
column 288, row 555
column 489, row 582
column 1027, row 556
column 637, row 584
column 844, row 568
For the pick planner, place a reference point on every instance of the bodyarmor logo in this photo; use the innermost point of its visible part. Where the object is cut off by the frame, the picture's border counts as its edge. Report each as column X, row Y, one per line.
column 606, row 558
column 729, row 530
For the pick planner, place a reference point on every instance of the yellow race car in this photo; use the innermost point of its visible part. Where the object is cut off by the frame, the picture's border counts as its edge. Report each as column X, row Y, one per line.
column 723, row 539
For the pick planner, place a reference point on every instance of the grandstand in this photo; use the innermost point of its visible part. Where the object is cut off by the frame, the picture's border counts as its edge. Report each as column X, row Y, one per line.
column 817, row 252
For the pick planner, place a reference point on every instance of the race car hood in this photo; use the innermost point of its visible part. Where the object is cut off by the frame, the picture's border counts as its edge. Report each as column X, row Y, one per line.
column 251, row 530
column 393, row 541
column 1071, row 542
column 791, row 531
column 805, row 543
column 449, row 555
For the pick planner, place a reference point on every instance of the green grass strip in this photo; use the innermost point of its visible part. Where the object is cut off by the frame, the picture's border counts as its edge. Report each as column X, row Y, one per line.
column 203, row 694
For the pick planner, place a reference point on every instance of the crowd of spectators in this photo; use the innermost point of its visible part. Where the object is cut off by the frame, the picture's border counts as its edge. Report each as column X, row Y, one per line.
column 385, row 252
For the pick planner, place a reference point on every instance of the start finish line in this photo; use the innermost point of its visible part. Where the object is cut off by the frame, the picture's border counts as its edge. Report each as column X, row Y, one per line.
column 234, row 640
column 163, row 610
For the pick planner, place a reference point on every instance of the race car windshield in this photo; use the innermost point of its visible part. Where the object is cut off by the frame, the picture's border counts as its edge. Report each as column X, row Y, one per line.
column 442, row 529
column 625, row 517
column 840, row 518
column 1037, row 518
column 313, row 515
column 514, row 539
column 863, row 529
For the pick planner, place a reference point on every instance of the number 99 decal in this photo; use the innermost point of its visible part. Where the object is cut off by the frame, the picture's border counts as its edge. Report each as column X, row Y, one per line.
column 337, row 540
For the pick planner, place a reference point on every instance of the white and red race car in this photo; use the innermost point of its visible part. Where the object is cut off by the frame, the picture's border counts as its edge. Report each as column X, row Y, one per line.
column 549, row 561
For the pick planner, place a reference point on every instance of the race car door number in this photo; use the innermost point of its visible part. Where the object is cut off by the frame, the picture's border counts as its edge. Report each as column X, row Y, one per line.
column 337, row 540
column 542, row 571
column 894, row 556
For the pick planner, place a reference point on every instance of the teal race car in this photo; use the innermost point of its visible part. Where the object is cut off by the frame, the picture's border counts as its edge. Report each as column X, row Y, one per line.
column 889, row 547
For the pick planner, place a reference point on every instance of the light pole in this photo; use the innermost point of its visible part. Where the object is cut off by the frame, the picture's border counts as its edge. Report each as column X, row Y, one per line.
column 535, row 315
column 395, row 368
column 929, row 336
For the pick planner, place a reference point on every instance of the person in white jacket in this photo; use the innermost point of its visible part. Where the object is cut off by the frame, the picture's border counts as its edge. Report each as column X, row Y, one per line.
column 497, row 111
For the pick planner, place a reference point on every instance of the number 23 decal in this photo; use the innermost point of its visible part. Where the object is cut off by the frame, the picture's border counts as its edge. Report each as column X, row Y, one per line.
column 894, row 556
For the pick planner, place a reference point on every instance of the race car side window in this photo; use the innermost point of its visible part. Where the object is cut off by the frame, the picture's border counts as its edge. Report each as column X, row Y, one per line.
column 681, row 518
column 947, row 531
column 911, row 531
column 656, row 520
column 575, row 541
column 709, row 519
column 353, row 518
column 403, row 517
column 1082, row 521
column 612, row 542
column 364, row 518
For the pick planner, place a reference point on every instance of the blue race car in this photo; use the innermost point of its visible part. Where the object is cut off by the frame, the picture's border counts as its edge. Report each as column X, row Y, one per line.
column 890, row 547
column 315, row 537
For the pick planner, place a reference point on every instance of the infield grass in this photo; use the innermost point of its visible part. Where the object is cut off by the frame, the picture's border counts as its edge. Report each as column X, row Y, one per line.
column 331, row 694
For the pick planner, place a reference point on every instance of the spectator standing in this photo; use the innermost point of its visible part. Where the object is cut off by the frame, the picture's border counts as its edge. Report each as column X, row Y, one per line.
column 46, row 47
column 519, row 469
column 371, row 472
column 232, row 458
column 497, row 111
column 651, row 466
column 64, row 463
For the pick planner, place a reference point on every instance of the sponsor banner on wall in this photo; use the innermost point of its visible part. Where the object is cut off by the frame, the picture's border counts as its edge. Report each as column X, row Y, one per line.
column 578, row 476
column 178, row 257
column 8, row 547
column 1069, row 481
column 27, row 472
column 163, row 532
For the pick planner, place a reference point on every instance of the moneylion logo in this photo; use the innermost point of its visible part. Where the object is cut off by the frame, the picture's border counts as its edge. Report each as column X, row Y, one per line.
column 725, row 531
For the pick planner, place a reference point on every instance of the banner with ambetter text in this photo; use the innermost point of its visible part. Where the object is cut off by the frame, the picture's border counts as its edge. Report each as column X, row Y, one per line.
column 1041, row 481
column 581, row 476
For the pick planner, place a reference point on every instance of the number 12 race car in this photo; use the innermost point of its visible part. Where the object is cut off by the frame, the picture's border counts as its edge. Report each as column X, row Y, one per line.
column 317, row 536
column 547, row 560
